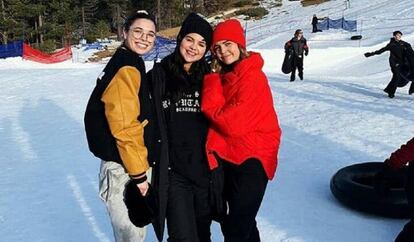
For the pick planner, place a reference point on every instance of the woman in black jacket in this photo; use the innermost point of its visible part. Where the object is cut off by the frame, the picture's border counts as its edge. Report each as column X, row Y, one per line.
column 182, row 175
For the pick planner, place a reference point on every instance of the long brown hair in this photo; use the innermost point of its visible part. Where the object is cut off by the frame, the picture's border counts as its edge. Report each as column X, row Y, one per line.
column 220, row 67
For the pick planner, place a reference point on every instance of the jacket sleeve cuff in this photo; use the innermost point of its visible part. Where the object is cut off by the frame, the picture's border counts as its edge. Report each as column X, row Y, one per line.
column 139, row 180
column 137, row 175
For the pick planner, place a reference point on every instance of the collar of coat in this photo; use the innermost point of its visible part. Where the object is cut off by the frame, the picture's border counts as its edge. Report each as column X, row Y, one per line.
column 252, row 63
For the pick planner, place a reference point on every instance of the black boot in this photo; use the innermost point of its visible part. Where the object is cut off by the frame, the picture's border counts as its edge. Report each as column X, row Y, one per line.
column 390, row 94
column 292, row 77
column 301, row 75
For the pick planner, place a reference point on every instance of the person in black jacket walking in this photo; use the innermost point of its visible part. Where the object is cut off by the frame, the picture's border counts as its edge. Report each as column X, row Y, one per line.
column 400, row 51
column 299, row 47
column 183, row 175
column 118, row 111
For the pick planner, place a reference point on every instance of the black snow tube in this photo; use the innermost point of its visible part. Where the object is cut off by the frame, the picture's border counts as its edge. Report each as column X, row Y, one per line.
column 288, row 62
column 353, row 186
column 356, row 37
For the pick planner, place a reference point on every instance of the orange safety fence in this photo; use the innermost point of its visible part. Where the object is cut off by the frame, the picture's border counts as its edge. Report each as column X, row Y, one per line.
column 36, row 55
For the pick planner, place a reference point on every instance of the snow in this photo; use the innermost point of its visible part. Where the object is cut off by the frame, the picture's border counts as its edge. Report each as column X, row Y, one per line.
column 337, row 116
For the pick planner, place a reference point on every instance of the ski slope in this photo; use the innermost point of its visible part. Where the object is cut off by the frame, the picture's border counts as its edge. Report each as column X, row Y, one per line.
column 336, row 117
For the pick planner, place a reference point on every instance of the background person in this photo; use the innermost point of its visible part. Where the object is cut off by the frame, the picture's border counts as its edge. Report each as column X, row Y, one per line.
column 397, row 160
column 299, row 47
column 399, row 50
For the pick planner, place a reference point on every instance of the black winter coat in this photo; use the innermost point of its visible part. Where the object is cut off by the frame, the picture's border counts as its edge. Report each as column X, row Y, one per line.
column 314, row 21
column 160, row 170
column 298, row 46
column 182, row 133
column 398, row 52
column 100, row 139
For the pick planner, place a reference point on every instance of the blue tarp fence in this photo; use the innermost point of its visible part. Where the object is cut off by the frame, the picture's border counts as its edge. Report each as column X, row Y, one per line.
column 94, row 46
column 348, row 25
column 162, row 48
column 12, row 49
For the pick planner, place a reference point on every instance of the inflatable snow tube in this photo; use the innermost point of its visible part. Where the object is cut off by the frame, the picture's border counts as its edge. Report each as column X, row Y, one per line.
column 356, row 37
column 353, row 186
column 287, row 64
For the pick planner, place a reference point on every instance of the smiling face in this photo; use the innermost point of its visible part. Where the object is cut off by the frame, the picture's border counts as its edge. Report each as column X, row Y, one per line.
column 140, row 37
column 227, row 51
column 192, row 49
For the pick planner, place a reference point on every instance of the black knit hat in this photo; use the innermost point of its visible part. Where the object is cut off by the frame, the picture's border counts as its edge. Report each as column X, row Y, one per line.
column 141, row 209
column 194, row 23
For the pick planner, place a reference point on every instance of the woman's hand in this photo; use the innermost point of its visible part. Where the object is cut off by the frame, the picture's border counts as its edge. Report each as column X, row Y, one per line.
column 142, row 184
column 215, row 66
column 143, row 188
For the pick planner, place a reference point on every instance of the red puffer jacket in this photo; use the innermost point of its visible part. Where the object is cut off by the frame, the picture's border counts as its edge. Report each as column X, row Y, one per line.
column 243, row 120
column 402, row 156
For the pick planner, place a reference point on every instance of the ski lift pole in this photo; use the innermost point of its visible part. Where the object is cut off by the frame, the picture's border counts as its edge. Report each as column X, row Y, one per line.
column 245, row 30
column 360, row 32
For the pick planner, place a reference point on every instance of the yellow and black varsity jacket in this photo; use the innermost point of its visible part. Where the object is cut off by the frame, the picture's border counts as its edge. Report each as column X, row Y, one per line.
column 119, row 110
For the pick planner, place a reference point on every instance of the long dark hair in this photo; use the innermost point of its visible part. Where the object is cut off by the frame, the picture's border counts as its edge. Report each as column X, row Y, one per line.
column 178, row 80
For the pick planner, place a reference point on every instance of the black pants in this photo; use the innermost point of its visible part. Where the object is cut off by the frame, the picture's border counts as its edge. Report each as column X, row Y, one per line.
column 188, row 211
column 297, row 64
column 244, row 188
column 393, row 84
column 407, row 234
column 314, row 28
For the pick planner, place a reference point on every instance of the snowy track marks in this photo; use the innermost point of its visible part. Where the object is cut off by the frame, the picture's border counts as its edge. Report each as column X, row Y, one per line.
column 86, row 210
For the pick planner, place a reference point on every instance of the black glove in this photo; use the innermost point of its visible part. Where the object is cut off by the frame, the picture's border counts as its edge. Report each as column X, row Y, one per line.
column 216, row 198
column 306, row 53
column 368, row 54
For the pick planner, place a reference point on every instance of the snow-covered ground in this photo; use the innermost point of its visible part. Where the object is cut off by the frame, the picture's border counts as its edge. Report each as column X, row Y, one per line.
column 336, row 117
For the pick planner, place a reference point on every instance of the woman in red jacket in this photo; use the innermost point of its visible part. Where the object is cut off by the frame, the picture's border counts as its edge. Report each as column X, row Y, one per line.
column 244, row 133
column 398, row 160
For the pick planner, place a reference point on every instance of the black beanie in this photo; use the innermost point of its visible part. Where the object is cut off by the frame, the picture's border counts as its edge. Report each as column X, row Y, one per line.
column 194, row 23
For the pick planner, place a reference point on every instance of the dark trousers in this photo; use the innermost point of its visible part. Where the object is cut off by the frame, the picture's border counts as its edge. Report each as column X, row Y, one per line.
column 244, row 188
column 297, row 64
column 392, row 85
column 188, row 211
column 314, row 28
column 407, row 234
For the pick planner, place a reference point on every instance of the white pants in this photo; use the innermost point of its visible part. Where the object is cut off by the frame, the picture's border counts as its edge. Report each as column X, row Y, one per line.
column 112, row 180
